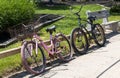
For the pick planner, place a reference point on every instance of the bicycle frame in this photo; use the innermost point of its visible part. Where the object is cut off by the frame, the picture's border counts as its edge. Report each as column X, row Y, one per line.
column 49, row 48
column 83, row 27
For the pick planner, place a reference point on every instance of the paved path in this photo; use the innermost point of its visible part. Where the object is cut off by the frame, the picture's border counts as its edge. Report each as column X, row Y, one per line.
column 98, row 63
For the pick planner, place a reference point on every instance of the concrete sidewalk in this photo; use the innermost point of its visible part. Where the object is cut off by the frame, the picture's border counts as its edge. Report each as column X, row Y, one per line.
column 98, row 63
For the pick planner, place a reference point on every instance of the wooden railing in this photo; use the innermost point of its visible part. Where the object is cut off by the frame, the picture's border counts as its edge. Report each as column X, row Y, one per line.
column 9, row 52
column 13, row 51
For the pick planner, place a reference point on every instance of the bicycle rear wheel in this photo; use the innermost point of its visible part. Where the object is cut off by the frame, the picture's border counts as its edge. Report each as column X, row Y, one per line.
column 62, row 44
column 79, row 41
column 33, row 58
column 99, row 35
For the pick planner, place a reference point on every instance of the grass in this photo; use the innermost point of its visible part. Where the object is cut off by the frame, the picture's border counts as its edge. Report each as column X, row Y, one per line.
column 70, row 21
column 64, row 25
column 10, row 64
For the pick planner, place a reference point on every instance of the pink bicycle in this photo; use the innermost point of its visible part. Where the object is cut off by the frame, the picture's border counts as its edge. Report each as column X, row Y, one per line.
column 33, row 57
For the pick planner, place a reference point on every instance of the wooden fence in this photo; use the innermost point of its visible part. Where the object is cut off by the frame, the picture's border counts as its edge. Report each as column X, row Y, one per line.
column 13, row 51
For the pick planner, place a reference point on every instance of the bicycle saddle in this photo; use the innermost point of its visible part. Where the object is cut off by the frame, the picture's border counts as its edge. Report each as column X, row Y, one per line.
column 92, row 18
column 51, row 29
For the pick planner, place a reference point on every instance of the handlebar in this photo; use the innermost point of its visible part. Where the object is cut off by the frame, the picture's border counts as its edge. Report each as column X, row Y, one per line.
column 76, row 13
column 29, row 29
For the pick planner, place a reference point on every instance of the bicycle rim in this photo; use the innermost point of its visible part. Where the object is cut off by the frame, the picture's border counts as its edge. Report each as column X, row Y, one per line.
column 99, row 35
column 62, row 44
column 79, row 41
column 33, row 58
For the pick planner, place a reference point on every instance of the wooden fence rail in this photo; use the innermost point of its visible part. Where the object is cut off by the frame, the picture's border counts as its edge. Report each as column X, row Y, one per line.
column 13, row 51
column 9, row 52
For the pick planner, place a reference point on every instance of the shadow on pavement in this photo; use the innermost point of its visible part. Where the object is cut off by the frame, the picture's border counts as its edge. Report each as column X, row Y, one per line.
column 20, row 75
column 50, row 65
column 111, row 34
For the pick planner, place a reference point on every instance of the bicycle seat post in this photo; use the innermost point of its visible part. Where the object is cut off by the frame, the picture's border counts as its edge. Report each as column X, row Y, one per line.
column 50, row 36
column 51, row 30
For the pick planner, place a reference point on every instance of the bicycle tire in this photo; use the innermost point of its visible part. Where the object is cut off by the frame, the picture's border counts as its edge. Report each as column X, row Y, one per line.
column 79, row 41
column 62, row 43
column 29, row 55
column 98, row 32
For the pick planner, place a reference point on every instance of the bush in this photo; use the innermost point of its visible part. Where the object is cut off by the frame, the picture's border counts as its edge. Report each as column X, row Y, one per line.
column 115, row 9
column 13, row 12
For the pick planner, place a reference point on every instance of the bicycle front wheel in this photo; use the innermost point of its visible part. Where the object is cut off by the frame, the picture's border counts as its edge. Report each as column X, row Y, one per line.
column 62, row 44
column 79, row 41
column 33, row 58
column 99, row 35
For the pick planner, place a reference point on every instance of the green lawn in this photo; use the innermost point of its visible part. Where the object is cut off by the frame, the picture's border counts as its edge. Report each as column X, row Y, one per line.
column 64, row 25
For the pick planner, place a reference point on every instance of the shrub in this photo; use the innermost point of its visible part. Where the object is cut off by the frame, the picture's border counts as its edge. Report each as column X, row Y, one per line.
column 13, row 12
column 115, row 9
